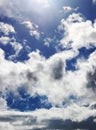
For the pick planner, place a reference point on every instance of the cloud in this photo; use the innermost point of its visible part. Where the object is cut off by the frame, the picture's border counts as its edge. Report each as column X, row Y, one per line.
column 92, row 80
column 3, row 104
column 57, row 70
column 69, row 90
column 76, row 24
column 6, row 29
column 7, row 39
column 56, row 118
column 17, row 48
column 47, row 41
column 4, row 40
column 48, row 77
column 69, row 9
column 33, row 29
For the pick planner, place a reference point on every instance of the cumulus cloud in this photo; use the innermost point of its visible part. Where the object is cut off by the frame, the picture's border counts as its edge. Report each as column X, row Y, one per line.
column 4, row 40
column 3, row 104
column 6, row 29
column 49, row 77
column 57, row 70
column 76, row 24
column 72, row 91
column 33, row 29
column 17, row 48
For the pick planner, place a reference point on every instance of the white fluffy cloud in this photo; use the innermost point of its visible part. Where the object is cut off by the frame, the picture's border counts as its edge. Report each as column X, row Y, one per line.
column 6, row 28
column 40, row 76
column 33, row 29
column 17, row 48
column 4, row 40
column 49, row 77
column 78, row 32
column 3, row 104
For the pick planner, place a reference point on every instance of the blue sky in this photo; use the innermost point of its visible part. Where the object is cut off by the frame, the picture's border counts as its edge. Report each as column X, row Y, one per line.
column 47, row 64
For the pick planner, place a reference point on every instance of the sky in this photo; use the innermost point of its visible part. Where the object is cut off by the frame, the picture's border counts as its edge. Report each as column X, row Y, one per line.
column 48, row 65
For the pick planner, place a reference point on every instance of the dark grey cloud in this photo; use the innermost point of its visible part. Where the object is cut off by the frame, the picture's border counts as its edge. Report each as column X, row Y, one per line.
column 52, row 124
column 88, row 124
column 93, row 106
column 31, row 76
column 6, row 119
column 57, row 70
column 92, row 80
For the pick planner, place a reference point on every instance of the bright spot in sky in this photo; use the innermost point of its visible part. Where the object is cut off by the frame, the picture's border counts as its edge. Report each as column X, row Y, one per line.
column 42, row 11
column 45, row 3
column 40, row 5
